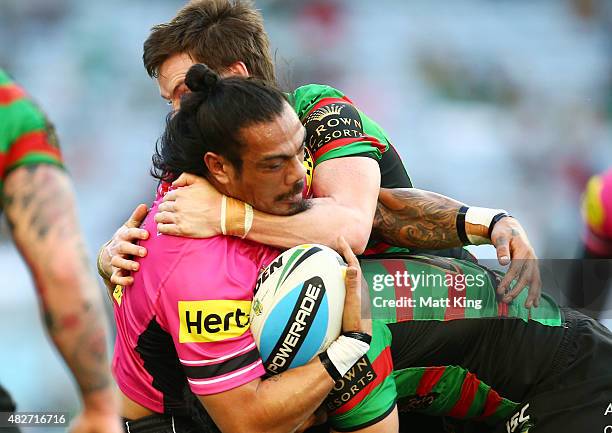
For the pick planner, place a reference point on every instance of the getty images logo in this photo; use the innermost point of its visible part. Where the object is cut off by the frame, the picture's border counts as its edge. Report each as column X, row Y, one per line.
column 297, row 327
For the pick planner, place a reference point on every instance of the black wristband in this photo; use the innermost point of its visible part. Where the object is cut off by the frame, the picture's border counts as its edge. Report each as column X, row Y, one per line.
column 329, row 366
column 494, row 221
column 461, row 225
column 361, row 336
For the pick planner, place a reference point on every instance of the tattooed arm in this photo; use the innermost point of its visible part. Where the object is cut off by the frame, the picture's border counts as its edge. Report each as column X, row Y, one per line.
column 416, row 218
column 40, row 209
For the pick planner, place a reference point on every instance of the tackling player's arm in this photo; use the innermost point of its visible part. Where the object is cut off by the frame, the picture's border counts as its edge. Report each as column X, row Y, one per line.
column 422, row 219
column 40, row 209
column 346, row 192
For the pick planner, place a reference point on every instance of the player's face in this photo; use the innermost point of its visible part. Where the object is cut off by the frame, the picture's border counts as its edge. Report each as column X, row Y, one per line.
column 171, row 78
column 272, row 175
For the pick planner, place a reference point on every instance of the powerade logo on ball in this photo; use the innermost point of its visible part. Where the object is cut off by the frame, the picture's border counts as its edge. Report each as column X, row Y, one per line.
column 298, row 325
column 215, row 320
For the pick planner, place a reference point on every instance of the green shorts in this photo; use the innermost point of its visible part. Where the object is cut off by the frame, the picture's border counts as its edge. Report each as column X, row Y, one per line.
column 366, row 394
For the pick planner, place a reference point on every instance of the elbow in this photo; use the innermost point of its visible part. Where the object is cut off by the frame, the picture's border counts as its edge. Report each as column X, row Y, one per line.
column 358, row 246
column 357, row 236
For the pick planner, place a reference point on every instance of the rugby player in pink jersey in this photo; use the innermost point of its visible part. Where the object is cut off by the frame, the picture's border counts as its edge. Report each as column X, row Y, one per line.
column 182, row 327
column 346, row 175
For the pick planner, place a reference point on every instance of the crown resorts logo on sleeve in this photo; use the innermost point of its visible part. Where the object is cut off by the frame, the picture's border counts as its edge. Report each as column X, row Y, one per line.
column 339, row 120
column 213, row 320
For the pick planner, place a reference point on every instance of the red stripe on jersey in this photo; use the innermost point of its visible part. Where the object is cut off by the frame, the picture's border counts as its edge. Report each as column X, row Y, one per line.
column 455, row 311
column 2, row 164
column 10, row 93
column 344, row 141
column 469, row 388
column 378, row 248
column 326, row 101
column 31, row 142
column 430, row 378
column 502, row 309
column 382, row 366
column 491, row 404
column 401, row 291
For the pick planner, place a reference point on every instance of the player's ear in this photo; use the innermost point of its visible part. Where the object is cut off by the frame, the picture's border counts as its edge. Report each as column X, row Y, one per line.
column 236, row 68
column 218, row 167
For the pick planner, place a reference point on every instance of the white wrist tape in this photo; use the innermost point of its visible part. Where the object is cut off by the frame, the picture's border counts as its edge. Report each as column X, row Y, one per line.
column 223, row 213
column 478, row 222
column 345, row 352
column 236, row 217
column 248, row 219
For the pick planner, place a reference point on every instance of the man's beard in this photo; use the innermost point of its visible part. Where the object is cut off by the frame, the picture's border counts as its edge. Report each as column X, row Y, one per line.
column 296, row 207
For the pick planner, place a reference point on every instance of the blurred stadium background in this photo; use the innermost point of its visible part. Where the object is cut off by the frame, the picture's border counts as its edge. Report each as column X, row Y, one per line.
column 500, row 103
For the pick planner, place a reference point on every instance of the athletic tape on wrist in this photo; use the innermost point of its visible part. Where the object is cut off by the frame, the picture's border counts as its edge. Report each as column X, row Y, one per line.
column 361, row 336
column 344, row 353
column 223, row 212
column 236, row 217
column 333, row 372
column 248, row 219
column 479, row 223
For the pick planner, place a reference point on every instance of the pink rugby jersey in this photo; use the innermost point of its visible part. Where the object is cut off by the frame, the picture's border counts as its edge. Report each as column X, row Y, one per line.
column 183, row 324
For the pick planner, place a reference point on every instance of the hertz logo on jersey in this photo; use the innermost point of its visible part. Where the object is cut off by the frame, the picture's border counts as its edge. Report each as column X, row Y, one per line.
column 214, row 320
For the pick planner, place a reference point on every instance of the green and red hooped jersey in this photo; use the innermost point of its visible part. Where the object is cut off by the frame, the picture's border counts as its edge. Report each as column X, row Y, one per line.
column 440, row 289
column 370, row 390
column 26, row 136
column 426, row 287
column 335, row 127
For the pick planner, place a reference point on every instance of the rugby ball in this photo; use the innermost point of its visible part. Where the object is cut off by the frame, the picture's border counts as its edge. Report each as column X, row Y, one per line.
column 297, row 307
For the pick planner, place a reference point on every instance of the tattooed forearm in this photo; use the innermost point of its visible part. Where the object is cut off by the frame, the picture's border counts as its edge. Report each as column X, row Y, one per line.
column 84, row 340
column 416, row 218
column 39, row 206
